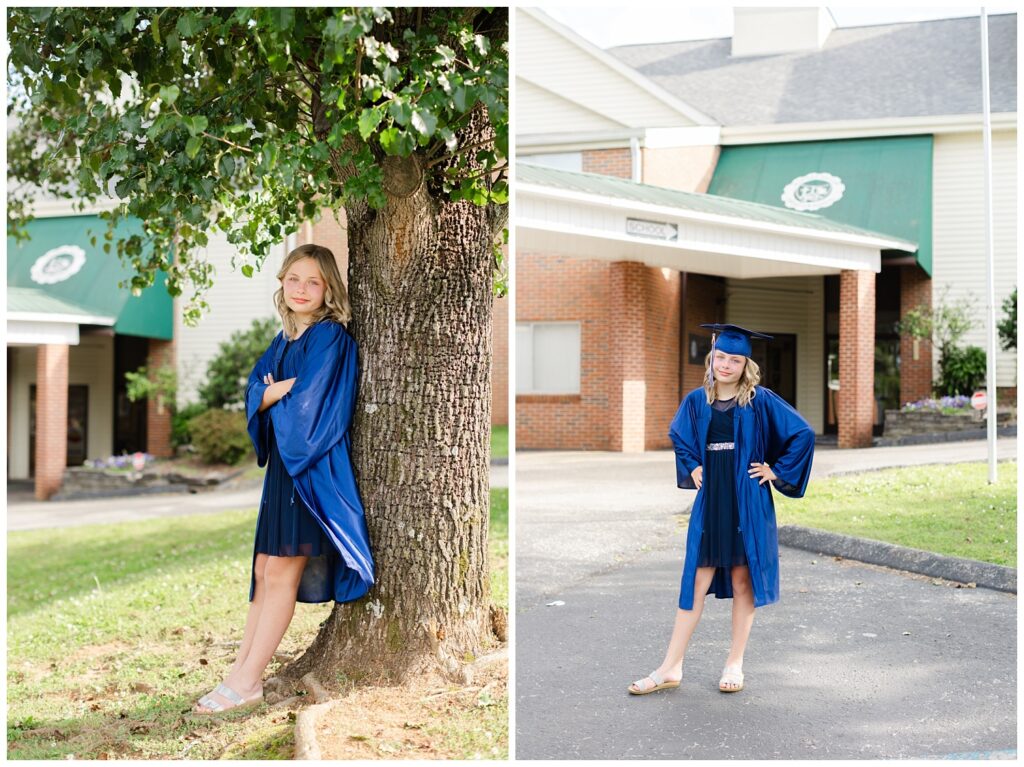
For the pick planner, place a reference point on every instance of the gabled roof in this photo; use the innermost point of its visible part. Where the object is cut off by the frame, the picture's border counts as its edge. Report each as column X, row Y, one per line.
column 892, row 70
column 556, row 59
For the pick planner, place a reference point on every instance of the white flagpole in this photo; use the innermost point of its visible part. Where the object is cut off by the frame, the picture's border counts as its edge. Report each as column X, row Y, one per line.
column 989, row 258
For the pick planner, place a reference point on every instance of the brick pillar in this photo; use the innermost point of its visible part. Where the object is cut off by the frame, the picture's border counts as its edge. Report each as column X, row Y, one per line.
column 627, row 392
column 915, row 365
column 51, row 417
column 856, row 396
column 158, row 412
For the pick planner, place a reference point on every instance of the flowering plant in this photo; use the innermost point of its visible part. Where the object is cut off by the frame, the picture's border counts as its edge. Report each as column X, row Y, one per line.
column 123, row 461
column 947, row 405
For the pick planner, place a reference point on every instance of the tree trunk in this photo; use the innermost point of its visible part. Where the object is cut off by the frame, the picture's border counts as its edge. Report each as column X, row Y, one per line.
column 420, row 280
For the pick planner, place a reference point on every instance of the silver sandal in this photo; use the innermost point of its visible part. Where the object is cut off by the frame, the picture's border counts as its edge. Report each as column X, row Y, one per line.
column 660, row 683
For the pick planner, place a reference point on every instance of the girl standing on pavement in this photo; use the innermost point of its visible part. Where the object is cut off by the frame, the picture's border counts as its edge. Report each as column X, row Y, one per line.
column 311, row 539
column 731, row 438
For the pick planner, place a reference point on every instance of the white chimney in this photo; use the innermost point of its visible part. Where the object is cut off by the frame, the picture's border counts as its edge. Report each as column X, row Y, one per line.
column 767, row 31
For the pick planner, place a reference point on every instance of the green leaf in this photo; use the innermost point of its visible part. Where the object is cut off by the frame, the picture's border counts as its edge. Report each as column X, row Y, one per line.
column 278, row 62
column 270, row 155
column 368, row 121
column 126, row 23
column 400, row 111
column 192, row 146
column 459, row 98
column 446, row 58
column 424, row 122
column 188, row 25
column 39, row 15
column 226, row 165
column 154, row 28
column 247, row 270
column 169, row 94
column 195, row 124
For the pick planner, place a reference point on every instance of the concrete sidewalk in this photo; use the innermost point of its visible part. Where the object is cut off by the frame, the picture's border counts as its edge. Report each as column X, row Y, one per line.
column 26, row 513
column 855, row 661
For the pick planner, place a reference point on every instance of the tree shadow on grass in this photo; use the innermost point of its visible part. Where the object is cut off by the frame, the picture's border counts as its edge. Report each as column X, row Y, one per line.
column 68, row 565
column 160, row 729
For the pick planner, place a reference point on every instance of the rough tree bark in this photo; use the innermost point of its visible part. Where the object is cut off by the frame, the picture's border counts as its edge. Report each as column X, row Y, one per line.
column 421, row 284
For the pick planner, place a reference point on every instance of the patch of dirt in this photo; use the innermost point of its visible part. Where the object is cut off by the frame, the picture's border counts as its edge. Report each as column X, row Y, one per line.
column 406, row 722
column 93, row 651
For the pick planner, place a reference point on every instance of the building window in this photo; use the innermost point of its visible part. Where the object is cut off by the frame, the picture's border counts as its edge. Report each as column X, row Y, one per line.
column 561, row 160
column 547, row 358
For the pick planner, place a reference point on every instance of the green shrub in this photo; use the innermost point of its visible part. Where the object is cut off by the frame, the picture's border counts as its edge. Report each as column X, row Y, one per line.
column 180, row 434
column 961, row 371
column 1007, row 326
column 228, row 372
column 220, row 436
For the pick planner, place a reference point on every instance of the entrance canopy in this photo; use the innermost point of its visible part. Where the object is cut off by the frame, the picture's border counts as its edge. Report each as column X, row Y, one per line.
column 59, row 278
column 881, row 184
column 590, row 216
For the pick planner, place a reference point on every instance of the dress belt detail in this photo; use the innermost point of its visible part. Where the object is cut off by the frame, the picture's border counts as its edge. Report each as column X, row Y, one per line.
column 722, row 446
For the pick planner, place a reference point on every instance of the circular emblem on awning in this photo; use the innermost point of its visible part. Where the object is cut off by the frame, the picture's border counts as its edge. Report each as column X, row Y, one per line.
column 58, row 264
column 813, row 191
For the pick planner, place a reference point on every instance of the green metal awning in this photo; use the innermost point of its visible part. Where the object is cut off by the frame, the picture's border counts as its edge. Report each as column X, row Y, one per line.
column 59, row 270
column 880, row 184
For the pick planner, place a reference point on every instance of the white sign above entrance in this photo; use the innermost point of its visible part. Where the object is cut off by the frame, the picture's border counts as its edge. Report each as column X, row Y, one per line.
column 813, row 191
column 656, row 230
column 58, row 264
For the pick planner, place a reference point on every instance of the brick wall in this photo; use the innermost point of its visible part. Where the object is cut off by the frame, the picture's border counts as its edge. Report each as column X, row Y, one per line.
column 553, row 288
column 330, row 234
column 158, row 413
column 856, row 396
column 915, row 374
column 661, row 343
column 609, row 162
column 51, row 417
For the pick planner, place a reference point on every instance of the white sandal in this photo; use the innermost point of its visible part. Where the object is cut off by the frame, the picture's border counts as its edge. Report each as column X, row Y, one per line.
column 660, row 683
column 732, row 675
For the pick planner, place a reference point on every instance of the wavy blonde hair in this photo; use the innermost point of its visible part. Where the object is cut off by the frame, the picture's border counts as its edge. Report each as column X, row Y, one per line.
column 750, row 378
column 336, row 305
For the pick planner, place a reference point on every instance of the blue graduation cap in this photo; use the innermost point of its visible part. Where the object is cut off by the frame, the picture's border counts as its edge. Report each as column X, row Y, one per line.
column 732, row 339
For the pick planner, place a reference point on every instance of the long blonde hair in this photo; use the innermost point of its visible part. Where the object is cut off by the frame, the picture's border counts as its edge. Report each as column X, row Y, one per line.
column 336, row 305
column 750, row 378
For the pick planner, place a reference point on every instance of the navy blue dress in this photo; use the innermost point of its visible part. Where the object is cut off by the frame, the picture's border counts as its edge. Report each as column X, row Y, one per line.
column 721, row 542
column 286, row 527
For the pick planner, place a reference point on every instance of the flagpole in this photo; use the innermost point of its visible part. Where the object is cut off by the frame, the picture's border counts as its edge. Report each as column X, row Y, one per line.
column 990, row 373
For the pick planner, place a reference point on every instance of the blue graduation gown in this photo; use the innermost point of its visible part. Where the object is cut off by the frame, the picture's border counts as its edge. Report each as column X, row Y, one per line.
column 767, row 430
column 311, row 425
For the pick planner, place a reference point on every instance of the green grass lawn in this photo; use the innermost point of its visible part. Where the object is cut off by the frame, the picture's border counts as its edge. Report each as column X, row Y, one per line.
column 113, row 631
column 499, row 442
column 949, row 509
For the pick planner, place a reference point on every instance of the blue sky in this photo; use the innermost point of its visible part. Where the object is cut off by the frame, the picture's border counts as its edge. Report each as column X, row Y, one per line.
column 606, row 26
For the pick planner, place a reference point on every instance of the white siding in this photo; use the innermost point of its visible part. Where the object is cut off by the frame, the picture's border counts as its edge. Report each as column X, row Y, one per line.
column 958, row 216
column 788, row 305
column 91, row 363
column 559, row 65
column 539, row 111
column 235, row 301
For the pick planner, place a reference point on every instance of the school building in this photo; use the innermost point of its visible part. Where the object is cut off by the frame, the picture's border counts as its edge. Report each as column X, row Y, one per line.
column 72, row 334
column 807, row 181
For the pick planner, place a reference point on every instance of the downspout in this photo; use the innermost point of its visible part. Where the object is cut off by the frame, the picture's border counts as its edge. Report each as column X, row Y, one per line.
column 684, row 354
column 637, row 160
